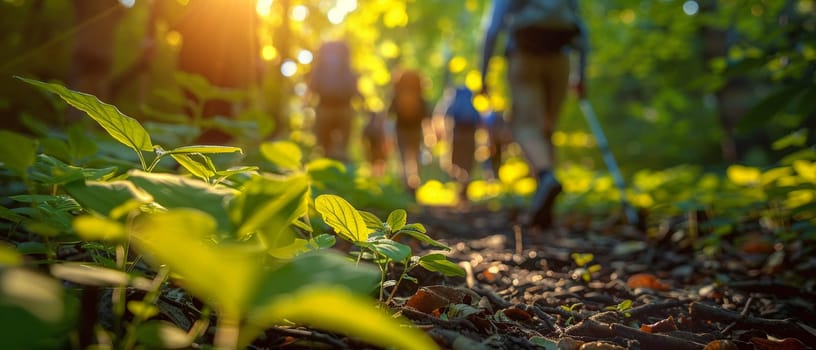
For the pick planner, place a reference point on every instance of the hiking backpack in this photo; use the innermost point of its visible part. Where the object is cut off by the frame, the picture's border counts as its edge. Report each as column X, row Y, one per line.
column 409, row 104
column 539, row 26
column 461, row 108
column 332, row 78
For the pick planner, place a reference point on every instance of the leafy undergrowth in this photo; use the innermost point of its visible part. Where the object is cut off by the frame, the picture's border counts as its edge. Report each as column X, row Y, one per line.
column 138, row 246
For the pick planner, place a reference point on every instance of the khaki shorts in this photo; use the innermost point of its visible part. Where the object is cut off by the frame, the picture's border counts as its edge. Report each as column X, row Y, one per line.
column 538, row 88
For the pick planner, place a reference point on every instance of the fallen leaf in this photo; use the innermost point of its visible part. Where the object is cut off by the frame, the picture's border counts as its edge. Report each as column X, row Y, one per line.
column 517, row 314
column 721, row 344
column 646, row 280
column 429, row 298
column 427, row 301
column 778, row 344
column 664, row 325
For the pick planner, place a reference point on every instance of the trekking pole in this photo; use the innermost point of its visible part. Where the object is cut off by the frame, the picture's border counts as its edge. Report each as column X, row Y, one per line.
column 609, row 159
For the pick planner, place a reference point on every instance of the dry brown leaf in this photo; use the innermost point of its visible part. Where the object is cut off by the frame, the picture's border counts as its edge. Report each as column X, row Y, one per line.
column 427, row 301
column 778, row 344
column 664, row 325
column 517, row 314
column 721, row 344
column 646, row 280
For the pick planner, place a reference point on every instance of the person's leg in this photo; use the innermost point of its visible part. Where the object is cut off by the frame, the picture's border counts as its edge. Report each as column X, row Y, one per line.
column 342, row 132
column 408, row 139
column 324, row 127
column 556, row 70
column 532, row 128
column 527, row 109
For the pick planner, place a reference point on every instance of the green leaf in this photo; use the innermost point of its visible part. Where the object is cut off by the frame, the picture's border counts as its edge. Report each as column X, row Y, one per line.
column 797, row 138
column 105, row 197
column 283, row 154
column 124, row 129
column 52, row 171
column 27, row 248
column 80, row 144
column 162, row 335
column 296, row 247
column 371, row 220
column 17, row 152
column 439, row 263
column 9, row 256
column 324, row 241
column 95, row 228
column 342, row 217
column 35, row 312
column 544, row 343
column 397, row 219
column 269, row 204
column 176, row 191
column 141, row 309
column 182, row 239
column 196, row 168
column 393, row 250
column 310, row 269
column 335, row 309
column 205, row 149
column 417, row 231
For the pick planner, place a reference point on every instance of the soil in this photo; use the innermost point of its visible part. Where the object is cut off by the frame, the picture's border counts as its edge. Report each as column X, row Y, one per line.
column 599, row 284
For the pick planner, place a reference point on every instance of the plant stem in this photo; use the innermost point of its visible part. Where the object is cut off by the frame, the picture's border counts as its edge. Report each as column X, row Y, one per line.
column 226, row 333
column 396, row 286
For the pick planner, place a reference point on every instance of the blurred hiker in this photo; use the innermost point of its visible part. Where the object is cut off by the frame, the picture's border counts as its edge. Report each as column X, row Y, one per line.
column 410, row 109
column 465, row 120
column 334, row 83
column 540, row 36
column 220, row 43
column 377, row 143
column 499, row 136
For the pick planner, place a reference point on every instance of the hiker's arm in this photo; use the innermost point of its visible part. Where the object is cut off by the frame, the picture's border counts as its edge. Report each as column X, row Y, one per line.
column 582, row 45
column 491, row 35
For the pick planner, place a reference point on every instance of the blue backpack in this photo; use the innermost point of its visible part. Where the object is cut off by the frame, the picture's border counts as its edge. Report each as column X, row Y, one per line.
column 461, row 108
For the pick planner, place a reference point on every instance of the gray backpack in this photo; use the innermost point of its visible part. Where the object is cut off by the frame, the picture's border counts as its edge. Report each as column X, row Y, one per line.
column 540, row 26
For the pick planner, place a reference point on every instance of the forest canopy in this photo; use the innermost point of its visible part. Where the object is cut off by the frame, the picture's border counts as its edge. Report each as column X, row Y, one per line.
column 675, row 82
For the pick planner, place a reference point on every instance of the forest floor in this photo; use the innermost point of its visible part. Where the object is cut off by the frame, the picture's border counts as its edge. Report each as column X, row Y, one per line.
column 607, row 286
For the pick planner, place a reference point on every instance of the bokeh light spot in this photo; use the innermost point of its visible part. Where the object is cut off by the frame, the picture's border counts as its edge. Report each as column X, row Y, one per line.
column 691, row 7
column 289, row 68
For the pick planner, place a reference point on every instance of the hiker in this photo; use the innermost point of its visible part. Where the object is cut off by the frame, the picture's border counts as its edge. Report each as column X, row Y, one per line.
column 334, row 83
column 410, row 110
column 465, row 120
column 540, row 36
column 499, row 136
column 377, row 143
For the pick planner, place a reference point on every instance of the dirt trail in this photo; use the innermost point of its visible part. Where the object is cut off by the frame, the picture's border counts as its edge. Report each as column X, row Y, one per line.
column 608, row 286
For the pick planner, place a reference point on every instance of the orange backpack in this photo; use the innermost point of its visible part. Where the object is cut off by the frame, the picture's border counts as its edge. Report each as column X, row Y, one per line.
column 408, row 103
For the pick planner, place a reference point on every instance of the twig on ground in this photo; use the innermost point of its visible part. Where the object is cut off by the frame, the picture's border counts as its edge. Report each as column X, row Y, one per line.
column 783, row 328
column 313, row 335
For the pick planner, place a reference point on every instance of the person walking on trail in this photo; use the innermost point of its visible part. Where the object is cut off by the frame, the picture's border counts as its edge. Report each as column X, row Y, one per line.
column 410, row 110
column 335, row 84
column 540, row 36
column 465, row 120
column 377, row 142
column 498, row 136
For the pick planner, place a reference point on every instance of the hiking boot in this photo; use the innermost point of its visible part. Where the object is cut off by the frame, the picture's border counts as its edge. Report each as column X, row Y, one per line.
column 541, row 208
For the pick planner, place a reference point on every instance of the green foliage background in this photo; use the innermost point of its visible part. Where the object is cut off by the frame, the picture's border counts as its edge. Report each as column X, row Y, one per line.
column 650, row 79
